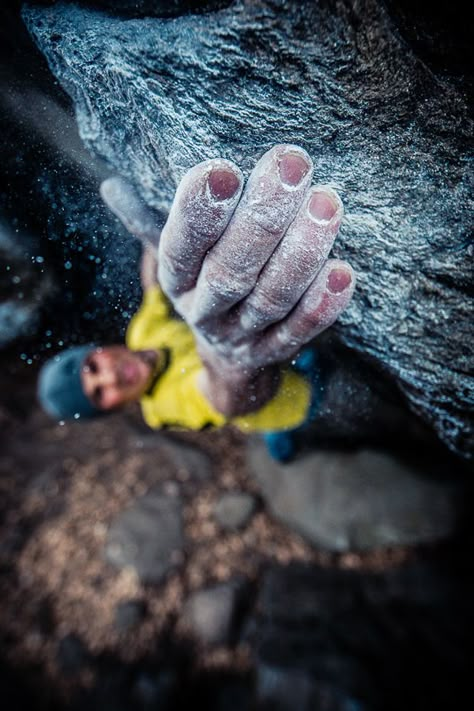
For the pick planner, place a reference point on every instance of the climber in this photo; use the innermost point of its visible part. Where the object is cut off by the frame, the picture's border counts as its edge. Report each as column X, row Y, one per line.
column 239, row 284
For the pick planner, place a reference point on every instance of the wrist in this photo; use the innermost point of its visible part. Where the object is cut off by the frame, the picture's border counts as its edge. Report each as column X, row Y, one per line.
column 236, row 391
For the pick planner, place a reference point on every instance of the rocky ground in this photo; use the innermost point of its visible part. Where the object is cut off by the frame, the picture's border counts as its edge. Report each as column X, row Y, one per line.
column 146, row 570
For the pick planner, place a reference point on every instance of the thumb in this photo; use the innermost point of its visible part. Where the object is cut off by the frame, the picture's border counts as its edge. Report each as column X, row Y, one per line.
column 125, row 202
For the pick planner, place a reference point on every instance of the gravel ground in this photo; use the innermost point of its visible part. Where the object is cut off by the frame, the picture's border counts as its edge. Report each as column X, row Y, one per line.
column 60, row 488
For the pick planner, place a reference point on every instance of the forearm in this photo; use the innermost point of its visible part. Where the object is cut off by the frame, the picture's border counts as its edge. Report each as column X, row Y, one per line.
column 234, row 391
column 148, row 268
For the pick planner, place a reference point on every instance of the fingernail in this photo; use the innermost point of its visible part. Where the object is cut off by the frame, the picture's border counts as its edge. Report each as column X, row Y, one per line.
column 338, row 280
column 322, row 206
column 293, row 169
column 223, row 183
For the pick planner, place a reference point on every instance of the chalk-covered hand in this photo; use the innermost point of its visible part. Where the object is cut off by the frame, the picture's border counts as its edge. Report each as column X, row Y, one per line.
column 247, row 267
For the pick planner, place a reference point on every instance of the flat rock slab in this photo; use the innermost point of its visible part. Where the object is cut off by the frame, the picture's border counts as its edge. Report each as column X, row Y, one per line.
column 147, row 537
column 354, row 501
column 211, row 614
column 234, row 509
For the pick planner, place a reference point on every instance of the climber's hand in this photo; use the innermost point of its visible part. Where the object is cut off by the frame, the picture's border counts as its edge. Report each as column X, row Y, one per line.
column 247, row 267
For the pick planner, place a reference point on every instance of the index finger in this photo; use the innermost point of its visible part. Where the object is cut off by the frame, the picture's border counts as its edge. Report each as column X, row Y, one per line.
column 203, row 205
column 271, row 199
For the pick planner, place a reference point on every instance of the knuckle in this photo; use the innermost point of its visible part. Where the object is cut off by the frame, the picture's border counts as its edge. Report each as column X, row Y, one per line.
column 174, row 265
column 267, row 305
column 308, row 320
column 175, row 275
column 287, row 338
column 268, row 226
column 226, row 284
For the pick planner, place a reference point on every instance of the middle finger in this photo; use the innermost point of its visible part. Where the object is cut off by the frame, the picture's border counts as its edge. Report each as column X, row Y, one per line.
column 295, row 262
column 271, row 199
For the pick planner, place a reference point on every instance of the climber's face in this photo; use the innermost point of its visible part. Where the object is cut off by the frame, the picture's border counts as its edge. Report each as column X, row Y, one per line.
column 114, row 375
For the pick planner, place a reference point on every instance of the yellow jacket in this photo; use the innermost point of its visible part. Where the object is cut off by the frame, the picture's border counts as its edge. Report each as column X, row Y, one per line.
column 175, row 399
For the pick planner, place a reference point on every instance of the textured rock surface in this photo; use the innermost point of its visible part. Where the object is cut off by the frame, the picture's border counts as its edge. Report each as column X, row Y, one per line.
column 355, row 501
column 153, row 96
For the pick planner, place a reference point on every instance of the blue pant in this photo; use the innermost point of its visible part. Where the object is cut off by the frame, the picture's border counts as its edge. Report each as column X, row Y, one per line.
column 281, row 445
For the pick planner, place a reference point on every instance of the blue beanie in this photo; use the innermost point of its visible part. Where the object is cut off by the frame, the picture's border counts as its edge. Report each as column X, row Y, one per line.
column 60, row 388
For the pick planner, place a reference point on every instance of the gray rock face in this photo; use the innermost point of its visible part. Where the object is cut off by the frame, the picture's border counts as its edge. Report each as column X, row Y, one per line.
column 148, row 537
column 347, row 501
column 152, row 8
column 153, row 96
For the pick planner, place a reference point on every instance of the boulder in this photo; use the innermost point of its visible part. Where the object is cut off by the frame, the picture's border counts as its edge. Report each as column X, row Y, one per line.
column 155, row 95
column 71, row 655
